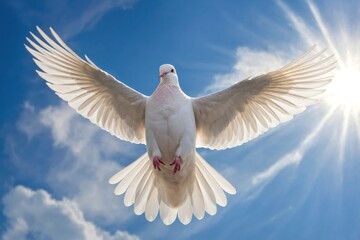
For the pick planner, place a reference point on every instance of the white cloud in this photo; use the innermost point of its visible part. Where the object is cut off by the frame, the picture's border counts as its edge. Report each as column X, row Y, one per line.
column 249, row 62
column 26, row 123
column 37, row 214
column 90, row 162
column 251, row 182
column 71, row 17
column 258, row 181
column 71, row 130
column 90, row 156
column 292, row 158
column 92, row 14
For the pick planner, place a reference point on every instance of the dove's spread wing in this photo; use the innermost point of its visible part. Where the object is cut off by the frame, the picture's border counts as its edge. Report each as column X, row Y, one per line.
column 93, row 93
column 248, row 108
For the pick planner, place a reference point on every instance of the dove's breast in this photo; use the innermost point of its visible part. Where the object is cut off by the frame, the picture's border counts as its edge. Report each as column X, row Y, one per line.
column 170, row 117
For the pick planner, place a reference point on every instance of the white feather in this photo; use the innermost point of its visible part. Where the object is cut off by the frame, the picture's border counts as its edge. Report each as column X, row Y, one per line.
column 167, row 214
column 126, row 181
column 220, row 179
column 207, row 193
column 130, row 194
column 121, row 174
column 185, row 211
column 152, row 204
column 140, row 202
column 197, row 202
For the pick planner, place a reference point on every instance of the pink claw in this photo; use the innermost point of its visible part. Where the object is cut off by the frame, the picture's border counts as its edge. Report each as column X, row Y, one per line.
column 177, row 163
column 156, row 162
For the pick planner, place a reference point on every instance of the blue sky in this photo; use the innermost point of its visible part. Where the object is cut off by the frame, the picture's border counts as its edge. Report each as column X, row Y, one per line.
column 298, row 181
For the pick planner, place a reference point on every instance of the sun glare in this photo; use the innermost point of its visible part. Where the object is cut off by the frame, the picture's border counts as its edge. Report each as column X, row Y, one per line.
column 344, row 91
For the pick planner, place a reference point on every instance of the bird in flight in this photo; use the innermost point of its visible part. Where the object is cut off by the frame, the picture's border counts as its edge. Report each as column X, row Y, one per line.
column 171, row 178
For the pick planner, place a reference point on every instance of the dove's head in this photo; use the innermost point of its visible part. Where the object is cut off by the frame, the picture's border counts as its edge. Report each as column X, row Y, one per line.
column 168, row 74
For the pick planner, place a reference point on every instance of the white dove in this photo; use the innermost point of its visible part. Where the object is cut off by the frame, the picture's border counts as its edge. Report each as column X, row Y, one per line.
column 172, row 178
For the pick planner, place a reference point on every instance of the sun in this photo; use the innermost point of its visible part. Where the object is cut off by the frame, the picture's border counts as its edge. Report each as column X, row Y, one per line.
column 344, row 90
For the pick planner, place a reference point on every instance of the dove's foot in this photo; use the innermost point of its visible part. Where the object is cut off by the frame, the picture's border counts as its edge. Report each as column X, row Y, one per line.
column 156, row 162
column 177, row 164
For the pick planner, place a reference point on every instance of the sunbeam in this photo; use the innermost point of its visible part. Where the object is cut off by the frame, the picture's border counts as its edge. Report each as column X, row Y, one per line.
column 299, row 25
column 324, row 30
column 291, row 158
column 310, row 138
column 356, row 115
column 342, row 139
column 343, row 92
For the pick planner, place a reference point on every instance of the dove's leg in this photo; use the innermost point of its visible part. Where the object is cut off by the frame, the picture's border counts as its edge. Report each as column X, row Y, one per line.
column 156, row 162
column 185, row 149
column 177, row 164
column 153, row 150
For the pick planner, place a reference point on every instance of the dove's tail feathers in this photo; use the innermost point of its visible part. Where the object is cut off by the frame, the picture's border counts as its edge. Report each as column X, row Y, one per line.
column 167, row 213
column 141, row 187
column 137, row 182
column 209, row 187
column 205, row 192
column 212, row 176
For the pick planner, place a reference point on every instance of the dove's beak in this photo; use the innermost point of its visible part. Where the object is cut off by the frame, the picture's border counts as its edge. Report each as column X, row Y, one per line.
column 163, row 73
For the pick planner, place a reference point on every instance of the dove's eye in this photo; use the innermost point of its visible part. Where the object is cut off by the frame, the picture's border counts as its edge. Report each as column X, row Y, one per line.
column 172, row 70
